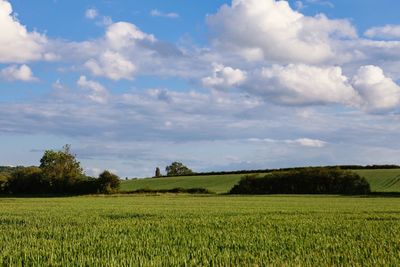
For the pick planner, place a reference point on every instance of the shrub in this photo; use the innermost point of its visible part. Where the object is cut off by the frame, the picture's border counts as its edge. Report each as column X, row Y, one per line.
column 27, row 181
column 304, row 181
column 108, row 182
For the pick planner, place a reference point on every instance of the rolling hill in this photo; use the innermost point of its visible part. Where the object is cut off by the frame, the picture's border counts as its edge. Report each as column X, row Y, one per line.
column 381, row 180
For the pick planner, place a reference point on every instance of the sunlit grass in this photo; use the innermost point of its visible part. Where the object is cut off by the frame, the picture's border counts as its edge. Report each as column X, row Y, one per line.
column 181, row 230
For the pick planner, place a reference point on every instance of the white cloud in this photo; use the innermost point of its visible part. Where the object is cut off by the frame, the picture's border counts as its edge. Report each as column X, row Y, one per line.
column 306, row 142
column 114, row 55
column 378, row 91
column 224, row 77
column 98, row 92
column 121, row 35
column 91, row 13
column 15, row 73
column 386, row 32
column 299, row 84
column 112, row 65
column 158, row 13
column 17, row 45
column 271, row 30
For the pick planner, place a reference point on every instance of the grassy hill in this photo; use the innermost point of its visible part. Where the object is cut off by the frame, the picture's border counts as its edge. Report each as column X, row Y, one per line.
column 381, row 180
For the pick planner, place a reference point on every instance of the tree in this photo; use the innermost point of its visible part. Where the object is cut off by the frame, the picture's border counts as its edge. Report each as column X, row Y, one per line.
column 27, row 180
column 61, row 169
column 4, row 177
column 158, row 172
column 177, row 169
column 108, row 182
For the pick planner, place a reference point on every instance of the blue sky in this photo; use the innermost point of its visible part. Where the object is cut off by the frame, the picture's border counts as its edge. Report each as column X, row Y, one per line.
column 217, row 85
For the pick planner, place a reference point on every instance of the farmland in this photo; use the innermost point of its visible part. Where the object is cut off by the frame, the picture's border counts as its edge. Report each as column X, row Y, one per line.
column 200, row 230
column 385, row 180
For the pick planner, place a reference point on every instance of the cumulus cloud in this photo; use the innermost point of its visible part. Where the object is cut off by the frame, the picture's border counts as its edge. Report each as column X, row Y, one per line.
column 98, row 93
column 158, row 13
column 15, row 73
column 111, row 65
column 121, row 35
column 300, row 84
column 378, row 91
column 224, row 77
column 272, row 30
column 17, row 44
column 114, row 55
column 385, row 32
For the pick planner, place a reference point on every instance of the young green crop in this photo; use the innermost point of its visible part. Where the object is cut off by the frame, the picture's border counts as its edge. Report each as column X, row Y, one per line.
column 181, row 230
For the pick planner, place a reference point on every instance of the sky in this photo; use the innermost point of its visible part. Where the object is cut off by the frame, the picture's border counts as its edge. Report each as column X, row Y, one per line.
column 217, row 85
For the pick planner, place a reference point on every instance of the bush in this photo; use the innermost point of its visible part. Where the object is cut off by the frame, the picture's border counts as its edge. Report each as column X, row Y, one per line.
column 176, row 190
column 27, row 181
column 108, row 182
column 304, row 181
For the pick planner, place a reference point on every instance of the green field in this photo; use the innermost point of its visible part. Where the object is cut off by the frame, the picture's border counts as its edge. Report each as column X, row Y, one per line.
column 214, row 183
column 382, row 180
column 181, row 230
column 387, row 180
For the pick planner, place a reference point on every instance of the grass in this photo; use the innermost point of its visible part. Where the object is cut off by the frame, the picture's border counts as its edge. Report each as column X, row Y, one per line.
column 387, row 180
column 214, row 183
column 382, row 180
column 180, row 230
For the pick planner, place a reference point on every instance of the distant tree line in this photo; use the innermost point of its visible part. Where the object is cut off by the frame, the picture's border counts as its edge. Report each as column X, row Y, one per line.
column 59, row 173
column 304, row 181
column 342, row 167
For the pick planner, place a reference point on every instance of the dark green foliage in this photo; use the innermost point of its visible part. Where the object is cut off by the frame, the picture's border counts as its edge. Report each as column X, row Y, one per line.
column 27, row 180
column 59, row 173
column 174, row 190
column 62, row 169
column 158, row 172
column 304, row 181
column 3, row 182
column 108, row 182
column 177, row 169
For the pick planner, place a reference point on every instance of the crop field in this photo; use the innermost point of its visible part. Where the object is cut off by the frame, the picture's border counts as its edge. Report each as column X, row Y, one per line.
column 214, row 183
column 382, row 180
column 178, row 230
column 387, row 180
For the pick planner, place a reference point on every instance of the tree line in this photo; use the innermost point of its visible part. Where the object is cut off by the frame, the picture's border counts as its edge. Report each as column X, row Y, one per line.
column 304, row 181
column 59, row 173
column 178, row 169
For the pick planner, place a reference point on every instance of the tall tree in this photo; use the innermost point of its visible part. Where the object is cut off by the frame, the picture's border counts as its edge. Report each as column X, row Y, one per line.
column 61, row 168
column 177, row 168
column 158, row 172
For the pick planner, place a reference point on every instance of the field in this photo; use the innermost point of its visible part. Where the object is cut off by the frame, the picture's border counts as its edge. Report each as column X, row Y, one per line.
column 177, row 230
column 214, row 183
column 387, row 180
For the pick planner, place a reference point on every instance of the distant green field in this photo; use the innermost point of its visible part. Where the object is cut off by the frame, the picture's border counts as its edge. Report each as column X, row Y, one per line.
column 382, row 180
column 182, row 230
column 214, row 183
column 387, row 180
